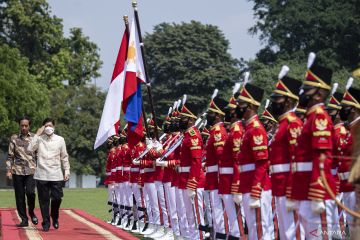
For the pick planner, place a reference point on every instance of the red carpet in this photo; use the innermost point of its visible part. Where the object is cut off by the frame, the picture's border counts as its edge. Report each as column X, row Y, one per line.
column 74, row 224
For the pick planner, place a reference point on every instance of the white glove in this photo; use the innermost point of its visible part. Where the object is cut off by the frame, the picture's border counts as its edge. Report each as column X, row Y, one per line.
column 160, row 163
column 191, row 194
column 254, row 203
column 158, row 146
column 237, row 198
column 135, row 162
column 317, row 207
column 291, row 205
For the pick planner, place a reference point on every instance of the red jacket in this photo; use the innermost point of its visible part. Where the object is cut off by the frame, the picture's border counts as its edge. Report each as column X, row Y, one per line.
column 316, row 138
column 253, row 159
column 345, row 162
column 169, row 170
column 282, row 153
column 214, row 151
column 126, row 160
column 118, row 165
column 135, row 169
column 110, row 176
column 190, row 159
column 229, row 177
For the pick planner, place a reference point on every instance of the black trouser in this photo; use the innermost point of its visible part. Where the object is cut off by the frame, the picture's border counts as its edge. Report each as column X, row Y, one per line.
column 24, row 184
column 47, row 190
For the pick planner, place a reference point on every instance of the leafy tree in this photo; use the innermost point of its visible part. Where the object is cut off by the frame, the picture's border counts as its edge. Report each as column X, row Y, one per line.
column 29, row 26
column 78, row 112
column 85, row 59
column 188, row 58
column 292, row 29
column 20, row 94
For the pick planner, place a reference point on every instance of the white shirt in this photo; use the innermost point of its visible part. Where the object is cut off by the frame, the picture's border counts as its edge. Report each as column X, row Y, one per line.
column 52, row 154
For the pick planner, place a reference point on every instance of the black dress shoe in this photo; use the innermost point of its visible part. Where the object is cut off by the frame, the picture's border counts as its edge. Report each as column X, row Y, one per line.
column 23, row 224
column 45, row 227
column 34, row 219
column 56, row 224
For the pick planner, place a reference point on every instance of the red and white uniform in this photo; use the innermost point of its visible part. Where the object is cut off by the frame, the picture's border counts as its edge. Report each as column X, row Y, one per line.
column 254, row 179
column 109, row 178
column 190, row 174
column 346, row 189
column 316, row 138
column 227, row 167
column 281, row 155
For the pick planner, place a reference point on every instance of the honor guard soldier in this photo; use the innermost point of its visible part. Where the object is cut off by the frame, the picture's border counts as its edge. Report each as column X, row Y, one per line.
column 214, row 150
column 228, row 168
column 349, row 169
column 315, row 140
column 190, row 166
column 255, row 184
column 282, row 151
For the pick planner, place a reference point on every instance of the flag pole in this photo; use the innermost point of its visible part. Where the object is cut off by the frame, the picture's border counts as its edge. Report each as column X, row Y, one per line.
column 127, row 29
column 148, row 86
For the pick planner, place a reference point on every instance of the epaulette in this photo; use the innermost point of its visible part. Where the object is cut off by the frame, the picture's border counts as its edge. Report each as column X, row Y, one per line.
column 236, row 128
column 319, row 110
column 192, row 132
column 291, row 118
column 342, row 130
column 256, row 124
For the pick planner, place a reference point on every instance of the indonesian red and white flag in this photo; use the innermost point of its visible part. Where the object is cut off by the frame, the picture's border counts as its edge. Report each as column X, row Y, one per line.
column 111, row 113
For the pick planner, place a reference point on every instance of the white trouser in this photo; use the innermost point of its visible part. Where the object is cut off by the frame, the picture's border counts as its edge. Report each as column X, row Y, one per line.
column 111, row 189
column 217, row 212
column 171, row 204
column 312, row 221
column 208, row 212
column 232, row 214
column 259, row 216
column 150, row 189
column 190, row 215
column 180, row 208
column 287, row 225
column 200, row 205
column 139, row 201
column 162, row 201
column 119, row 192
column 147, row 205
column 349, row 200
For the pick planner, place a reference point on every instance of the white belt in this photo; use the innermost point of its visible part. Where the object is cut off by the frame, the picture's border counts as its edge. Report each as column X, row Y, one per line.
column 334, row 171
column 280, row 168
column 134, row 169
column 344, row 175
column 142, row 171
column 226, row 170
column 108, row 173
column 302, row 167
column 184, row 169
column 126, row 169
column 118, row 168
column 113, row 170
column 247, row 167
column 211, row 169
column 148, row 170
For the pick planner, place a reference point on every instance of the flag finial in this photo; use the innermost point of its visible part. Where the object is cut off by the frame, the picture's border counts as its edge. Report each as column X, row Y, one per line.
column 126, row 19
column 134, row 4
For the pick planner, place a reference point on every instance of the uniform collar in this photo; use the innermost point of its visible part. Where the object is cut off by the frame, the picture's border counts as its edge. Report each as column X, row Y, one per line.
column 284, row 115
column 340, row 124
column 251, row 120
column 235, row 123
column 313, row 108
column 27, row 135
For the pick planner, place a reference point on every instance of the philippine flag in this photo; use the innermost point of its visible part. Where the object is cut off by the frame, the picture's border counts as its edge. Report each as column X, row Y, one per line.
column 135, row 75
column 111, row 113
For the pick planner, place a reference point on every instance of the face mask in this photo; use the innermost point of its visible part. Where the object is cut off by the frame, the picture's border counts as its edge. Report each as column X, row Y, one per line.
column 277, row 108
column 333, row 116
column 49, row 131
column 344, row 113
column 241, row 111
column 174, row 126
column 122, row 140
column 305, row 99
column 229, row 116
column 152, row 134
column 183, row 124
column 210, row 119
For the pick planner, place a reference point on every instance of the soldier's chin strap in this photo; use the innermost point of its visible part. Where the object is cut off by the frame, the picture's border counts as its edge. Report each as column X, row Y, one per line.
column 331, row 193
